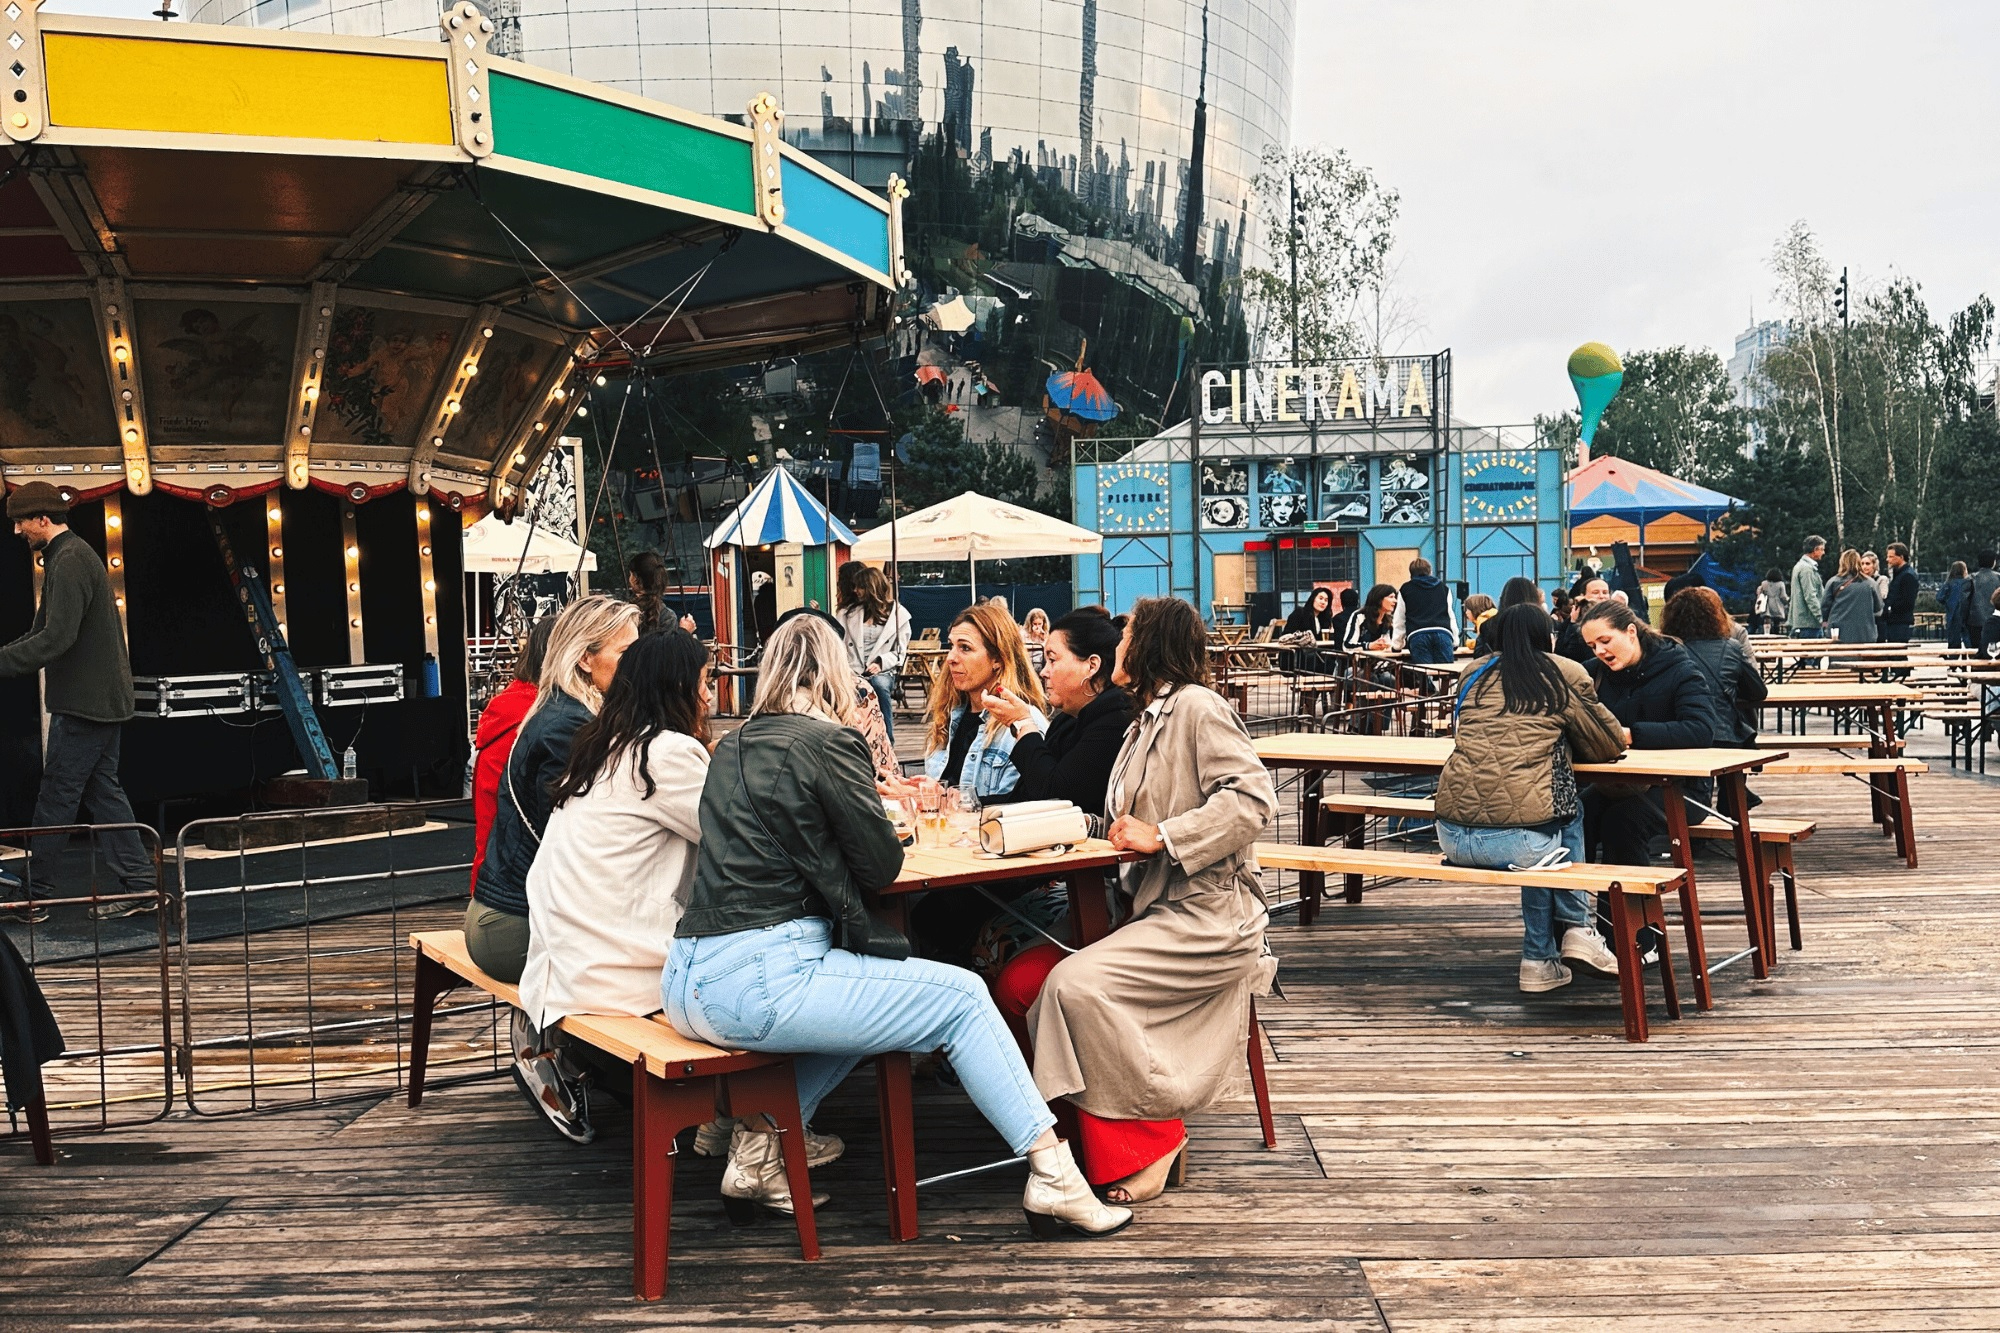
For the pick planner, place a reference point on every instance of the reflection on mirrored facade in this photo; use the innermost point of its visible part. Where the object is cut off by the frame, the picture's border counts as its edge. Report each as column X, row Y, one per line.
column 1095, row 98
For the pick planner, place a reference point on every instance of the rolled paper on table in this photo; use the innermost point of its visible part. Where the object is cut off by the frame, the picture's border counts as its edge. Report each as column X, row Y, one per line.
column 1595, row 372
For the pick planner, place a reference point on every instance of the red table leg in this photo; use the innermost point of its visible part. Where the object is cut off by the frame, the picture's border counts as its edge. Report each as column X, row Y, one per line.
column 899, row 1147
column 1683, row 845
column 1735, row 803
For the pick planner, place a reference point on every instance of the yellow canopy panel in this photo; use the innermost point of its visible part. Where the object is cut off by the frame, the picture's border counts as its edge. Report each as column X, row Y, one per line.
column 185, row 87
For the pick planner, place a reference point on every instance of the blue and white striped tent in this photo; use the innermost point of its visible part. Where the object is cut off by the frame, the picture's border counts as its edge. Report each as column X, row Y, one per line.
column 780, row 510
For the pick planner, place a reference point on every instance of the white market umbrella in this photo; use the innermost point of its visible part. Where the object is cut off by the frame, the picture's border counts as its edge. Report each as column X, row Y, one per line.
column 971, row 527
column 495, row 547
column 953, row 316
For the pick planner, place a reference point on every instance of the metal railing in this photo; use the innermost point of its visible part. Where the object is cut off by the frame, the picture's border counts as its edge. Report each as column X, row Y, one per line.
column 107, row 976
column 295, row 981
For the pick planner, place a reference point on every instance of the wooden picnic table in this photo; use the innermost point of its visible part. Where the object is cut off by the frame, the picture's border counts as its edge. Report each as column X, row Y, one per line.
column 928, row 869
column 1318, row 753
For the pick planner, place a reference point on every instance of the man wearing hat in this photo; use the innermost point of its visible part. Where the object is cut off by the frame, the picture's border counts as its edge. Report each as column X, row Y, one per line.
column 78, row 639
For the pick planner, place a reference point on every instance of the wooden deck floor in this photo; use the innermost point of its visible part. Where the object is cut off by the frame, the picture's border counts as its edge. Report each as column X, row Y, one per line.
column 1822, row 1152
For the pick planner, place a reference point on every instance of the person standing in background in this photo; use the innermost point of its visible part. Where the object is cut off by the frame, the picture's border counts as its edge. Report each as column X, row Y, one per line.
column 1426, row 620
column 646, row 576
column 1774, row 601
column 78, row 638
column 1979, row 589
column 1952, row 598
column 1852, row 602
column 1899, row 597
column 1807, row 591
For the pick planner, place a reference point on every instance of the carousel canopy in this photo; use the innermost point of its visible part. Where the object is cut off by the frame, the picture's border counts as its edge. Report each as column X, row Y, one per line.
column 973, row 527
column 780, row 510
column 1615, row 488
column 231, row 257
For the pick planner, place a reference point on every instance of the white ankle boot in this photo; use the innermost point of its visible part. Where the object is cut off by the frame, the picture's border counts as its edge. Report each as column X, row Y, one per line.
column 755, row 1178
column 1058, row 1196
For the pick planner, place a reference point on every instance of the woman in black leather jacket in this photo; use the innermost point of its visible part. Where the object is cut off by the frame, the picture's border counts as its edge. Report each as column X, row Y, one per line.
column 777, row 949
column 1656, row 691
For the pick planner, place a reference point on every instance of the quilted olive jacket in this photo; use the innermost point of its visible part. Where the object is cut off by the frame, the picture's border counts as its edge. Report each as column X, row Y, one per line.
column 1502, row 772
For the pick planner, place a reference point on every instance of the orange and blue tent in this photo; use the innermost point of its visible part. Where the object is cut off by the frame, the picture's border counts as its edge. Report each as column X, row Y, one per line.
column 1608, row 487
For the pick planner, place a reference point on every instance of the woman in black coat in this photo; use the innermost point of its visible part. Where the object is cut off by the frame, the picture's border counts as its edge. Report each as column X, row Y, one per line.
column 1313, row 616
column 1696, row 617
column 1657, row 691
column 1071, row 761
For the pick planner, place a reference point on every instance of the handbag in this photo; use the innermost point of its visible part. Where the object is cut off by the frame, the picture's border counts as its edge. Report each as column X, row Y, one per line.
column 1032, row 826
column 856, row 929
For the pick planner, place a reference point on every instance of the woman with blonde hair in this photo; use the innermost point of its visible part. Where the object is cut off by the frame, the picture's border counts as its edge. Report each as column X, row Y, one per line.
column 1852, row 602
column 589, row 637
column 1035, row 632
column 966, row 746
column 878, row 633
column 777, row 949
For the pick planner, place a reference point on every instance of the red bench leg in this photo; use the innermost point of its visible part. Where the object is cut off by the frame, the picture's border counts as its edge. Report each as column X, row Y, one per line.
column 433, row 980
column 1631, row 980
column 1260, row 1087
column 1656, row 916
column 44, row 1142
column 773, row 1090
column 899, row 1147
column 660, row 1111
column 1906, row 826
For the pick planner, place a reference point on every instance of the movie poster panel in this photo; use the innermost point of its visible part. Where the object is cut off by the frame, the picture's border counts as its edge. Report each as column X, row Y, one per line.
column 1343, row 492
column 1225, row 495
column 1406, row 489
column 1284, row 497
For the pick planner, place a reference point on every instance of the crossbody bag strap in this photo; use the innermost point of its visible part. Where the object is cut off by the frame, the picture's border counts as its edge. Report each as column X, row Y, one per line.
column 513, row 796
column 1471, row 679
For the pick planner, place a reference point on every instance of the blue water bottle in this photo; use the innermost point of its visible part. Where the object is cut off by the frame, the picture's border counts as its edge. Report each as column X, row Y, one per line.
column 431, row 686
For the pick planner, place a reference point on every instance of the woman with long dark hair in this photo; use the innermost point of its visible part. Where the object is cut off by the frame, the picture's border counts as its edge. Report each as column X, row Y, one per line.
column 1146, row 1025
column 1313, row 616
column 878, row 633
column 1373, row 627
column 616, row 856
column 1517, row 591
column 1508, row 796
column 1653, row 687
column 1705, row 628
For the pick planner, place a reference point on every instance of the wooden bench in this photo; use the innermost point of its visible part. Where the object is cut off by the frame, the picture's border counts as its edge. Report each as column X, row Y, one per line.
column 677, row 1083
column 1621, row 883
column 1888, row 782
column 1353, row 810
column 1855, row 741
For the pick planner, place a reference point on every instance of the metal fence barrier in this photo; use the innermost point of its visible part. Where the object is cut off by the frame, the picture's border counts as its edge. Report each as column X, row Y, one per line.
column 295, row 977
column 108, row 978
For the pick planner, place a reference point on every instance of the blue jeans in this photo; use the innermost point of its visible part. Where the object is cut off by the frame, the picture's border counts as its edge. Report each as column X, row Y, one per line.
column 786, row 988
column 1545, row 913
column 1809, row 632
column 1432, row 647
column 884, row 683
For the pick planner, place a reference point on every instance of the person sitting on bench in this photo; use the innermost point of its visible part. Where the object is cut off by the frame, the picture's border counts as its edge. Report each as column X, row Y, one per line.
column 1507, row 797
column 617, row 855
column 777, row 949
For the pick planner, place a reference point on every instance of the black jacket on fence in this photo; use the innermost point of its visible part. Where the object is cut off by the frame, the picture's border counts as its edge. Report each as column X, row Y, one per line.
column 29, row 1037
column 521, row 811
column 792, row 827
column 1073, row 761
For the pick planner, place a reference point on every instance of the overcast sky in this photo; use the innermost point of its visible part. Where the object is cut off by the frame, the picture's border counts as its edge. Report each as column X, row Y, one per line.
column 1620, row 172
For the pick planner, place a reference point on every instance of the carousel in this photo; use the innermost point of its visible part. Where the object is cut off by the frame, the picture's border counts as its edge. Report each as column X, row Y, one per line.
column 294, row 309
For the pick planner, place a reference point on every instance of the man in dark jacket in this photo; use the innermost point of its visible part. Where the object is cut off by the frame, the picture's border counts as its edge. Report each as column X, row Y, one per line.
column 1899, row 604
column 79, row 640
column 1426, row 616
column 1978, row 604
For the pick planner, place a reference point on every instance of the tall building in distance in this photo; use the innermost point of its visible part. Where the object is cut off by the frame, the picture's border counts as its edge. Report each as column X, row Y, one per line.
column 1752, row 346
column 1096, row 97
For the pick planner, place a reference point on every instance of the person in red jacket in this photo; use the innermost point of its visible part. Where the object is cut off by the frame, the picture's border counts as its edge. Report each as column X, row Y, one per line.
column 499, row 722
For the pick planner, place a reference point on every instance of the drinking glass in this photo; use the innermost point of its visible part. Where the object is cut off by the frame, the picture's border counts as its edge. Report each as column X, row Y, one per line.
column 961, row 806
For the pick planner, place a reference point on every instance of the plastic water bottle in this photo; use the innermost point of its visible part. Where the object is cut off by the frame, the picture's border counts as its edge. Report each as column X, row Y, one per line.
column 347, row 764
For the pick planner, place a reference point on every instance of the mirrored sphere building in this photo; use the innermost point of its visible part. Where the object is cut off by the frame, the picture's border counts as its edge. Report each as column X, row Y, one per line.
column 1097, row 98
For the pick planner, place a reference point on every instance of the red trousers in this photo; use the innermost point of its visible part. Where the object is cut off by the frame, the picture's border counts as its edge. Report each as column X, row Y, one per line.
column 1110, row 1150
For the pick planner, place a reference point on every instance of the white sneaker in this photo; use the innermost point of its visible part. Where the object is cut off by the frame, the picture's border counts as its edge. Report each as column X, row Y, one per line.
column 713, row 1138
column 1586, row 948
column 1540, row 974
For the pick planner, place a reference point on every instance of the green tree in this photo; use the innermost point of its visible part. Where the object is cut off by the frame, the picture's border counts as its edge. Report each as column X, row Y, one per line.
column 943, row 463
column 1340, row 222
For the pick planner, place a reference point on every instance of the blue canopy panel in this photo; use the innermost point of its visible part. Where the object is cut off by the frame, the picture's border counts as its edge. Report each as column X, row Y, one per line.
column 780, row 510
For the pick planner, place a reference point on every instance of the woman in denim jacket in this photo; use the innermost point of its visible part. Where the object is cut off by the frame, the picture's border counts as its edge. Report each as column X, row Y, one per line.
column 966, row 747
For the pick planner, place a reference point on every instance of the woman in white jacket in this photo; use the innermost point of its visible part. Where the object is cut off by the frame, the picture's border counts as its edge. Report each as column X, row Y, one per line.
column 610, row 877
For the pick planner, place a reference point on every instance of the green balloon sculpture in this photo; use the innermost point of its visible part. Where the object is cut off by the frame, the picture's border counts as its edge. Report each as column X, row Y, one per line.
column 1595, row 372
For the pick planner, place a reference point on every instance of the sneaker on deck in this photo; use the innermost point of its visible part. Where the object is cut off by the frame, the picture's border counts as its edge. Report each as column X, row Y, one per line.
column 1586, row 948
column 1540, row 974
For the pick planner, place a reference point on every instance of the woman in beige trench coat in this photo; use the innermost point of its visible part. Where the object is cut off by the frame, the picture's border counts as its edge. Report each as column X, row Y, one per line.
column 1148, row 1024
